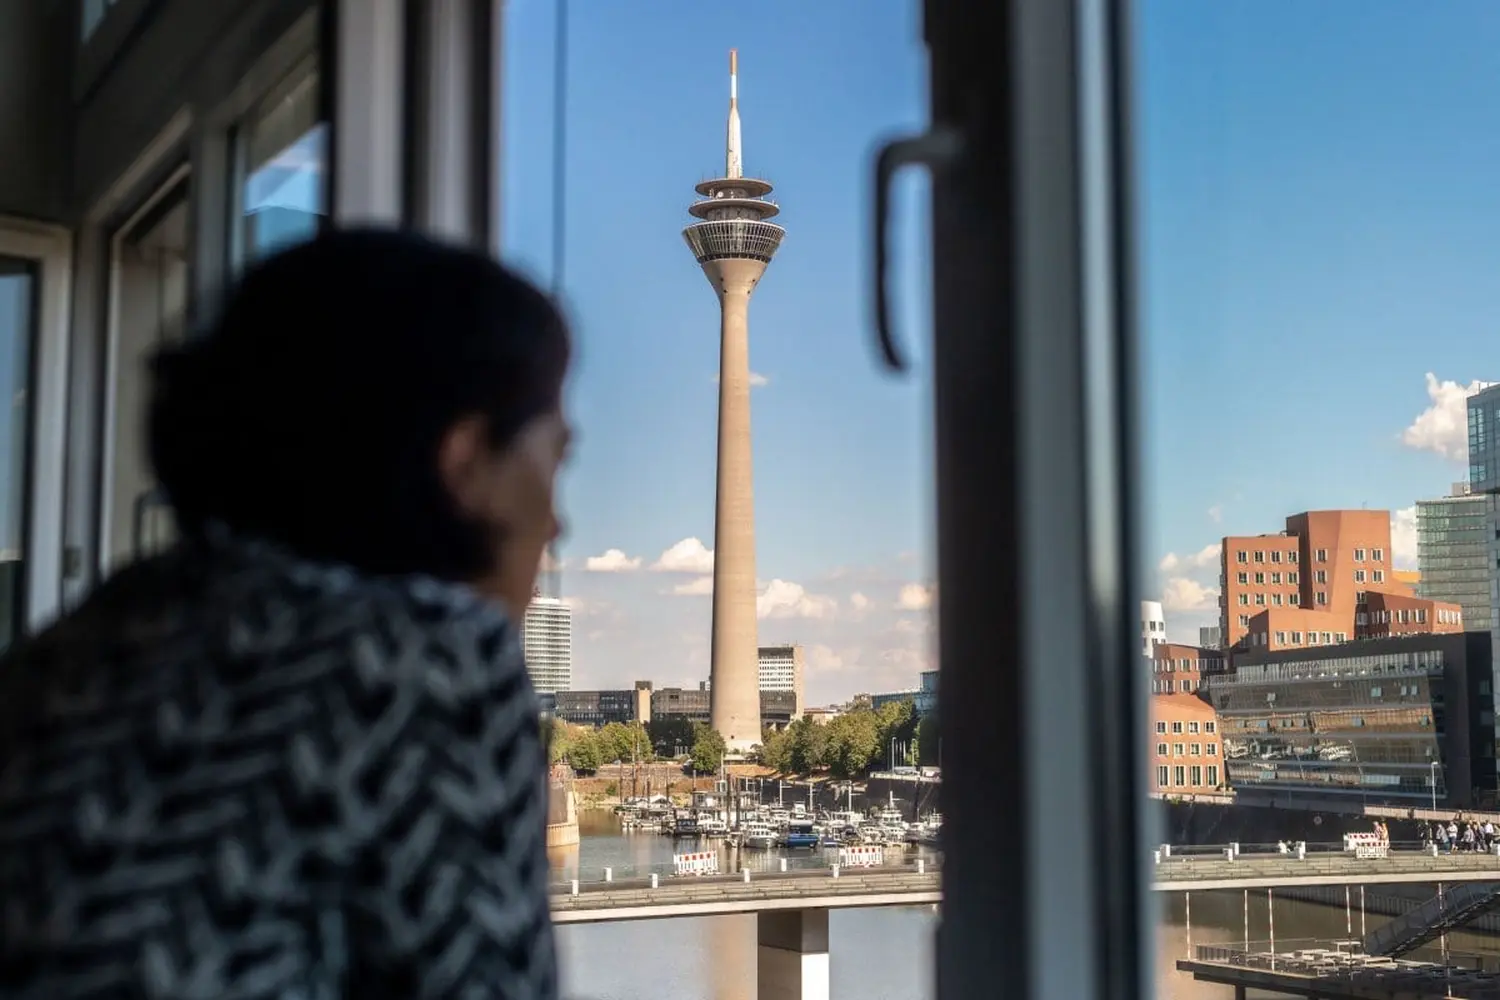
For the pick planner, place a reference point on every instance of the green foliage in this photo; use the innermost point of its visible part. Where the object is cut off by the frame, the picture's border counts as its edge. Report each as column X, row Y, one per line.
column 613, row 788
column 854, row 743
column 849, row 745
column 927, row 741
column 625, row 743
column 708, row 750
column 809, row 749
column 584, row 752
column 776, row 750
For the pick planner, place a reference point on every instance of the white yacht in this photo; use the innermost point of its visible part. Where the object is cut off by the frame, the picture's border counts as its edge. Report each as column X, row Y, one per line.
column 759, row 835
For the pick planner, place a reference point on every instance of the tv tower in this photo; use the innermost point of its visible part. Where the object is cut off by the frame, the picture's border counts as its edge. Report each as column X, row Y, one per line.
column 733, row 243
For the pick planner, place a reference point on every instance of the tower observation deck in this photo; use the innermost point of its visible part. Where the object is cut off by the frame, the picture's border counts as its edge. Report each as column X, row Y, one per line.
column 733, row 242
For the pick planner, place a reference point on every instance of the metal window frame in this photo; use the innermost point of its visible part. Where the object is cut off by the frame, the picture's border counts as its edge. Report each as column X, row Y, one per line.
column 50, row 248
column 1035, row 386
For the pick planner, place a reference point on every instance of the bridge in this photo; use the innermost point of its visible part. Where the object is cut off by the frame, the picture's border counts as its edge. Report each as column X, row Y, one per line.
column 716, row 895
column 791, row 900
column 1272, row 871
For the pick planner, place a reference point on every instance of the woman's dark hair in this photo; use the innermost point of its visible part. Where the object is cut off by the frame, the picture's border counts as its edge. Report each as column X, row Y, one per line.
column 312, row 411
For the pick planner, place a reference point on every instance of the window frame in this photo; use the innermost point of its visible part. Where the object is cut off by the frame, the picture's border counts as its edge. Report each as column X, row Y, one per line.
column 1036, row 385
column 50, row 249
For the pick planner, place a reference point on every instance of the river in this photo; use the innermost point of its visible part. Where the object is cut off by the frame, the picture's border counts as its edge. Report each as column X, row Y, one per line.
column 880, row 954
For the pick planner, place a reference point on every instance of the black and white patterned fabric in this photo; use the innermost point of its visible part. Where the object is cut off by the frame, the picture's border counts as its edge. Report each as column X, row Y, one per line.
column 235, row 775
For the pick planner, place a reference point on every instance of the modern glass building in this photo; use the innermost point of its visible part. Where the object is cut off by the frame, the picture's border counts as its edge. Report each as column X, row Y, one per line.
column 1484, row 480
column 1403, row 720
column 1453, row 555
column 547, row 637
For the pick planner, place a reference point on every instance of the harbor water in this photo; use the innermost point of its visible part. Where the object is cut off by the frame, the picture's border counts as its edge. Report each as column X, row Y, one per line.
column 884, row 954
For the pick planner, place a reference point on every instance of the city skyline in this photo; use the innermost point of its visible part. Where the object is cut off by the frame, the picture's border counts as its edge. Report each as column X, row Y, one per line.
column 1283, row 195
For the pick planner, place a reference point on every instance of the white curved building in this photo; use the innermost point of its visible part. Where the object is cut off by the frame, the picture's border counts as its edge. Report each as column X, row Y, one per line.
column 1153, row 626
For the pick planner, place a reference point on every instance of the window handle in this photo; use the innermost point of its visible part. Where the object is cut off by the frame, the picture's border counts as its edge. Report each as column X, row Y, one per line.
column 935, row 149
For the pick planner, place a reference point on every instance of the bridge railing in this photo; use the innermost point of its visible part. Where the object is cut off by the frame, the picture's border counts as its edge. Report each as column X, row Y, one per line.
column 1168, row 853
column 733, row 867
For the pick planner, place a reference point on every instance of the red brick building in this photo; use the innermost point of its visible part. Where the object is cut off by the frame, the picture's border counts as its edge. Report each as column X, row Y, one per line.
column 1327, row 579
column 1187, row 755
column 1180, row 669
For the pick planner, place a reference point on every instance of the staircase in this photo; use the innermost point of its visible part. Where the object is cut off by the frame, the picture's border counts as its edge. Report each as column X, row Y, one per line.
column 1448, row 911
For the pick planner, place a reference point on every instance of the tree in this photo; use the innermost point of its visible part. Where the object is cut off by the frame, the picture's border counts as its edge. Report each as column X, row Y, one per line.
column 809, row 748
column 708, row 750
column 776, row 750
column 853, row 742
column 928, row 746
column 583, row 753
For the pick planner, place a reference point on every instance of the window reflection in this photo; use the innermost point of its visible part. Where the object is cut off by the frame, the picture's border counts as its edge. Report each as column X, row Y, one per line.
column 93, row 16
column 17, row 328
column 284, row 153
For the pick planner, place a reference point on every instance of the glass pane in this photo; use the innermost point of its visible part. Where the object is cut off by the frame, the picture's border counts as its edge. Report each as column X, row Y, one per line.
column 284, row 150
column 18, row 288
column 1319, row 262
column 749, row 507
column 151, row 274
column 92, row 15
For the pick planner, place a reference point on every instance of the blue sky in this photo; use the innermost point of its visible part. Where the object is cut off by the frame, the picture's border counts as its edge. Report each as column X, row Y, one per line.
column 841, row 451
column 1318, row 235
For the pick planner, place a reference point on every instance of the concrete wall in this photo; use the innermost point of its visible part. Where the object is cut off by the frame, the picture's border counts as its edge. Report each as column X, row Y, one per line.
column 35, row 96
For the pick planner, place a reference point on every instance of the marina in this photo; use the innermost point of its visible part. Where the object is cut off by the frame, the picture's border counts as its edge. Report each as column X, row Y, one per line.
column 742, row 822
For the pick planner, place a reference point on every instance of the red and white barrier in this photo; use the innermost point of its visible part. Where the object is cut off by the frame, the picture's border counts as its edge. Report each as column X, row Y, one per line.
column 862, row 856
column 699, row 863
column 1366, row 845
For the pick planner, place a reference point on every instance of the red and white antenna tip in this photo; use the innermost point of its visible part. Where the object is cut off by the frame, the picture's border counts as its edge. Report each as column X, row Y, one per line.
column 734, row 62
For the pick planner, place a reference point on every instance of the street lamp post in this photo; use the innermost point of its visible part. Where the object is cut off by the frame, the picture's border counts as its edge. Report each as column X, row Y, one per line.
column 1432, row 766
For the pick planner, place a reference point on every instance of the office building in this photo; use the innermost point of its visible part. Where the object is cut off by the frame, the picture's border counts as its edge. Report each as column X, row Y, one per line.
column 547, row 638
column 927, row 693
column 1399, row 721
column 1153, row 626
column 1484, row 480
column 1313, row 580
column 781, row 669
column 1179, row 669
column 1209, row 637
column 1453, row 554
column 600, row 708
column 1185, row 750
column 776, row 709
column 733, row 242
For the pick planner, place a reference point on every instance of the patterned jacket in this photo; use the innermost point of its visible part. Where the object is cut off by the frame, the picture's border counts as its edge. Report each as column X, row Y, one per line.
column 236, row 775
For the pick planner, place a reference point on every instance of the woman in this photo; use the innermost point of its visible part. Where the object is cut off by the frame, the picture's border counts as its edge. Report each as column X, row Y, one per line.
column 297, row 756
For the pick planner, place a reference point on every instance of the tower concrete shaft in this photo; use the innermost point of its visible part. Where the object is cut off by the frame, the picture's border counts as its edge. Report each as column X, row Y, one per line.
column 734, row 699
column 733, row 244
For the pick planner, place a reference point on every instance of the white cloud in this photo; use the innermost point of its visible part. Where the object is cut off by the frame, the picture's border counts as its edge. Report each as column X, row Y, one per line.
column 914, row 597
column 1183, row 594
column 1404, row 538
column 859, row 601
column 1444, row 426
column 695, row 588
column 784, row 599
column 1216, row 513
column 756, row 380
column 688, row 556
column 1202, row 559
column 612, row 561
